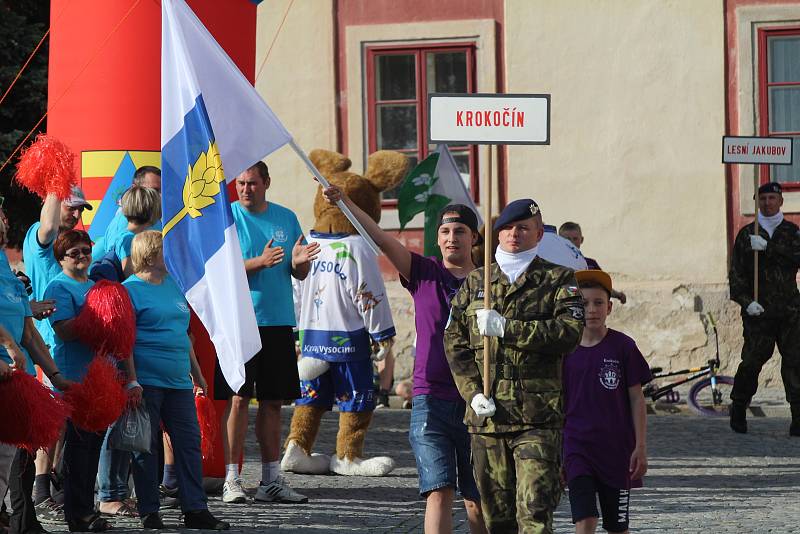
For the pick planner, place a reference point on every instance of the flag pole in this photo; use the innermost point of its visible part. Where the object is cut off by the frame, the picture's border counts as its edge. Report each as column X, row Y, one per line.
column 487, row 264
column 755, row 222
column 342, row 206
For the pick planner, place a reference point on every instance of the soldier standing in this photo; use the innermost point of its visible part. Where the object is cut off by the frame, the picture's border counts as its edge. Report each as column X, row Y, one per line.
column 537, row 319
column 775, row 317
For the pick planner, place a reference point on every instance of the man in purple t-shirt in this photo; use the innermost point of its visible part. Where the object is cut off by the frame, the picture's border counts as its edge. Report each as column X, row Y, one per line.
column 438, row 435
column 605, row 452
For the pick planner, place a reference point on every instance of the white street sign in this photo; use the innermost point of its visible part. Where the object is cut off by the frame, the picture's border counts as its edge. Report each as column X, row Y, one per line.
column 757, row 150
column 487, row 119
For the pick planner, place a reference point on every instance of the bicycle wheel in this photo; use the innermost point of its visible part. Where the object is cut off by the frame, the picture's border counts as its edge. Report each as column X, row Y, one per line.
column 701, row 397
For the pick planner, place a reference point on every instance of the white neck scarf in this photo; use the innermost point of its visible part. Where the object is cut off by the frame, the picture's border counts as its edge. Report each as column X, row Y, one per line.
column 514, row 264
column 770, row 223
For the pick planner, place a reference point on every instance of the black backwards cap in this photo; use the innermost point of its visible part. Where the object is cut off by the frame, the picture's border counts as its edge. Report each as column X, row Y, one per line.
column 465, row 216
column 521, row 209
column 772, row 187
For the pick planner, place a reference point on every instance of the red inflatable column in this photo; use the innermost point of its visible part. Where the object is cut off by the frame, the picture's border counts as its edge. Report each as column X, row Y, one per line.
column 104, row 97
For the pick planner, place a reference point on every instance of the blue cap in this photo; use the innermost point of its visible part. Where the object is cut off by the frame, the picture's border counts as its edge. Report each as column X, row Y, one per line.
column 521, row 209
column 772, row 187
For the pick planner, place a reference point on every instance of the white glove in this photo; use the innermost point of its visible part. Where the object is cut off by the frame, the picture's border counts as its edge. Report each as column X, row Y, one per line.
column 758, row 243
column 754, row 309
column 491, row 323
column 483, row 406
column 310, row 368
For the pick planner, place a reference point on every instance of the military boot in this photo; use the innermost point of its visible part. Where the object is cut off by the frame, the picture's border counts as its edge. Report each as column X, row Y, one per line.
column 739, row 417
column 794, row 428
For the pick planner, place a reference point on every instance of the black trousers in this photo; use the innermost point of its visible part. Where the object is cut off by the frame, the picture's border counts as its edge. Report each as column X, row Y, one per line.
column 23, row 473
column 81, row 455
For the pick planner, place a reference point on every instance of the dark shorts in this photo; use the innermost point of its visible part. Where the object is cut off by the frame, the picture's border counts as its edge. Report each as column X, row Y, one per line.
column 441, row 446
column 350, row 385
column 269, row 375
column 585, row 491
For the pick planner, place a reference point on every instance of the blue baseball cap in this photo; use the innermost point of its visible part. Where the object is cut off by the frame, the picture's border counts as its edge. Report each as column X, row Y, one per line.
column 518, row 210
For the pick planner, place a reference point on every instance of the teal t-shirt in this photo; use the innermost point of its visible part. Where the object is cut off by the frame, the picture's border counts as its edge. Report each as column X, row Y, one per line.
column 117, row 226
column 14, row 307
column 71, row 357
column 124, row 241
column 271, row 288
column 41, row 267
column 161, row 352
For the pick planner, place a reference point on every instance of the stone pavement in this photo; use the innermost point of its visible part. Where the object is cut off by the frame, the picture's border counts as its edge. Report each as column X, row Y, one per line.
column 702, row 478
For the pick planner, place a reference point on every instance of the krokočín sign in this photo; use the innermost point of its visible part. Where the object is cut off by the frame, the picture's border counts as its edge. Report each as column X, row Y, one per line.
column 757, row 150
column 487, row 119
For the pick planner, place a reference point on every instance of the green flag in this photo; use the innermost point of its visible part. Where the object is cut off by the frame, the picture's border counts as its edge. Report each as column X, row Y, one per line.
column 430, row 186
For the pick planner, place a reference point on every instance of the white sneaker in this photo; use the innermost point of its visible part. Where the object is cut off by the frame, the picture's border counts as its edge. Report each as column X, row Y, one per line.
column 233, row 492
column 278, row 491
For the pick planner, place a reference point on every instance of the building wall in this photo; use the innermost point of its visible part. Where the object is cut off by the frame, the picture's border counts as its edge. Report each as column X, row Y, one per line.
column 638, row 111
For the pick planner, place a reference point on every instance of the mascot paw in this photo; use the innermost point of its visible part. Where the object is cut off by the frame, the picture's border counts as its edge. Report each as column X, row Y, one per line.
column 296, row 460
column 372, row 467
column 311, row 368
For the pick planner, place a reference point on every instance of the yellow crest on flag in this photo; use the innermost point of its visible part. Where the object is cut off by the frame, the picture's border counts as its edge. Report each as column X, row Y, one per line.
column 201, row 185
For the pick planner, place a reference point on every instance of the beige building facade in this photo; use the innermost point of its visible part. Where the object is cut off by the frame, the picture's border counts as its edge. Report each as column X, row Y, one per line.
column 641, row 94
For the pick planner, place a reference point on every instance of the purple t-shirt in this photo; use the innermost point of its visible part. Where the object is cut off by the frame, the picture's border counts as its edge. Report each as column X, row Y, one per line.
column 599, row 436
column 432, row 287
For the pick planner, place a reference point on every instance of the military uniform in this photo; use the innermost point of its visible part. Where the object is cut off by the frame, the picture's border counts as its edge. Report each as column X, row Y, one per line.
column 517, row 451
column 780, row 322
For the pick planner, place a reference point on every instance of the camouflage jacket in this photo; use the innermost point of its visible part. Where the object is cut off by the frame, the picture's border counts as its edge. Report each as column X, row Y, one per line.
column 544, row 321
column 777, row 270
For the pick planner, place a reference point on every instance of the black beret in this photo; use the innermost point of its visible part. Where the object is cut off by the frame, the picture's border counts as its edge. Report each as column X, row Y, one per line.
column 524, row 208
column 772, row 187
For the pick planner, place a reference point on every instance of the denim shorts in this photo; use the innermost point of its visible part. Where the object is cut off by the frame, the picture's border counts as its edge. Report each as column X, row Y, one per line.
column 440, row 442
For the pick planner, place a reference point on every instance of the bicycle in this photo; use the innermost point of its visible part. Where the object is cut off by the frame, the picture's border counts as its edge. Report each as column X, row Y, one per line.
column 707, row 397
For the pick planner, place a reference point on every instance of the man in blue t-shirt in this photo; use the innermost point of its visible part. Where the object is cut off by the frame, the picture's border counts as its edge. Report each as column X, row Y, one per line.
column 274, row 251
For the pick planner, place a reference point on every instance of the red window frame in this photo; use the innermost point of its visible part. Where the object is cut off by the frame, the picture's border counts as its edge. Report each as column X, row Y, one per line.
column 763, row 94
column 419, row 52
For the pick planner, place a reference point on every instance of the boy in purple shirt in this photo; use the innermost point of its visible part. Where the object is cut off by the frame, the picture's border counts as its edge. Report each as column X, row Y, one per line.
column 438, row 435
column 605, row 450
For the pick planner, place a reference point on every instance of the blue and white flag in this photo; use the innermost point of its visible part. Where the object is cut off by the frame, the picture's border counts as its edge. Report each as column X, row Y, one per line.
column 210, row 116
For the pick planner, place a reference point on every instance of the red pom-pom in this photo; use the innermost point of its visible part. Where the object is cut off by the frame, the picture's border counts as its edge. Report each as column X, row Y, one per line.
column 32, row 415
column 99, row 400
column 47, row 166
column 209, row 424
column 107, row 322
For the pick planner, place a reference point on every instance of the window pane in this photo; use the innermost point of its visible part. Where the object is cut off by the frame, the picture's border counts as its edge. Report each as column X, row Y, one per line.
column 461, row 158
column 788, row 173
column 392, row 193
column 784, row 59
column 397, row 126
column 784, row 109
column 395, row 77
column 447, row 72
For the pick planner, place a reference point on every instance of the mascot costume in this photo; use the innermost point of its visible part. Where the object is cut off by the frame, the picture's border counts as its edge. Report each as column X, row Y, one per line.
column 344, row 311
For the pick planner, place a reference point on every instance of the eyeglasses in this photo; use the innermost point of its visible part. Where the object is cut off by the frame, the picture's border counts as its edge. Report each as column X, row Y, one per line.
column 77, row 253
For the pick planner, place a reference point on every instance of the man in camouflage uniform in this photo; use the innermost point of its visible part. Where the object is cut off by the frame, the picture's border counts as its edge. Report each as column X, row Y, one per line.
column 536, row 319
column 775, row 318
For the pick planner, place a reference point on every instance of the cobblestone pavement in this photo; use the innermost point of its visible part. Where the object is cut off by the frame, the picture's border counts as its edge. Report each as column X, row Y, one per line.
column 702, row 478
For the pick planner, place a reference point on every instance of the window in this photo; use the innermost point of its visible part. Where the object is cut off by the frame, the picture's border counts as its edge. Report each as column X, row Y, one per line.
column 779, row 90
column 398, row 82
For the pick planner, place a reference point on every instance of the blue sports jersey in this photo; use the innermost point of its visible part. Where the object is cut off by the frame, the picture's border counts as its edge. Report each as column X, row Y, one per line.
column 71, row 357
column 161, row 353
column 271, row 288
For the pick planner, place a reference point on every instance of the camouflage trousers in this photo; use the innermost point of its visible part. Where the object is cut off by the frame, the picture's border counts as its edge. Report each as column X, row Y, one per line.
column 760, row 338
column 519, row 477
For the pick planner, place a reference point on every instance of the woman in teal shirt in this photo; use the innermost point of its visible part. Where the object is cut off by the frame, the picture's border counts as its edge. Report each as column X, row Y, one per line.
column 167, row 371
column 73, row 250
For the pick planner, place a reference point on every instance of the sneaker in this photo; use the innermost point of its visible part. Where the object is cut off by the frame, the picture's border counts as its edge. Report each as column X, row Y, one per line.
column 203, row 520
column 382, row 399
column 278, row 491
column 48, row 511
column 233, row 492
column 168, row 497
column 153, row 521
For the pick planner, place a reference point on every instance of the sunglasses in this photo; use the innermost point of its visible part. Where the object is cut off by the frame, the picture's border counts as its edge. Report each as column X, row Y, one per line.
column 77, row 253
